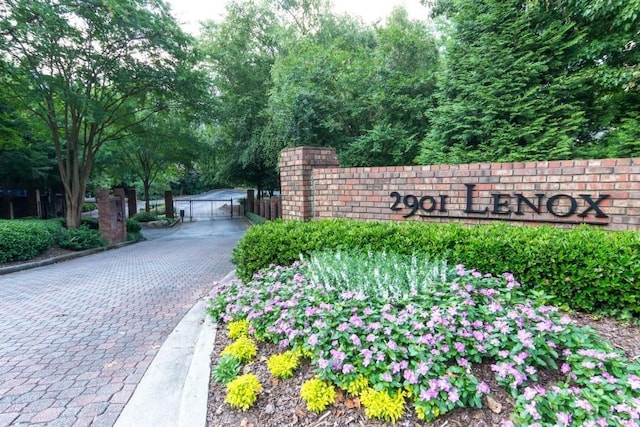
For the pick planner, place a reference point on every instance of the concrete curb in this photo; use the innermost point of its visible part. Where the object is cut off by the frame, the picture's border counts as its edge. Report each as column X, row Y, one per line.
column 175, row 389
column 66, row 257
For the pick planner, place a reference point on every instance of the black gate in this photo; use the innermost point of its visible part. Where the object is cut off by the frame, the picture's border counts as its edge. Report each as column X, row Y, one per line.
column 206, row 208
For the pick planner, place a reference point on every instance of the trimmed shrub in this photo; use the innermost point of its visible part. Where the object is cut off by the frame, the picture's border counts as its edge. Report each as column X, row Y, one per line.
column 91, row 223
column 21, row 240
column 79, row 239
column 89, row 206
column 133, row 226
column 144, row 217
column 586, row 268
column 255, row 219
column 134, row 230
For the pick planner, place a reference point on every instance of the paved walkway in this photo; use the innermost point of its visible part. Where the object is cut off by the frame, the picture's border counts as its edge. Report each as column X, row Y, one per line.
column 77, row 337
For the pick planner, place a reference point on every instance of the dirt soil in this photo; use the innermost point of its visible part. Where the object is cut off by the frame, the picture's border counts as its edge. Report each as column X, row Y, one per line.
column 280, row 404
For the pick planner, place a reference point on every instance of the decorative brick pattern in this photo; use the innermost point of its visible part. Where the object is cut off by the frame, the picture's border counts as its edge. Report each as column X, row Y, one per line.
column 603, row 192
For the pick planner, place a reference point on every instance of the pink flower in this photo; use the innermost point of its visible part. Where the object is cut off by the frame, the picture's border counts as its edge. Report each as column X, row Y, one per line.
column 564, row 419
column 531, row 409
column 371, row 338
column 584, row 404
column 313, row 340
column 634, row 382
column 526, row 338
column 356, row 321
column 565, row 368
column 427, row 395
column 453, row 395
column 410, row 376
column 348, row 368
column 483, row 388
column 323, row 363
column 530, row 393
column 423, row 368
column 355, row 340
column 386, row 377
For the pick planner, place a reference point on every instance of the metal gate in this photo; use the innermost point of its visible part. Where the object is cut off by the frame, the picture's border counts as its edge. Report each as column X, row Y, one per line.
column 190, row 209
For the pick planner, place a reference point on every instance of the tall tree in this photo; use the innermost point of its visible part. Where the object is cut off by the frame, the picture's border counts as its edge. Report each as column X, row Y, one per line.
column 153, row 151
column 508, row 91
column 85, row 69
column 239, row 54
column 406, row 63
column 362, row 90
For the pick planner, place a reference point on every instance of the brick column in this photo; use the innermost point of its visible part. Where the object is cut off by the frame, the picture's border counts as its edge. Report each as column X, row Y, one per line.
column 296, row 167
column 111, row 218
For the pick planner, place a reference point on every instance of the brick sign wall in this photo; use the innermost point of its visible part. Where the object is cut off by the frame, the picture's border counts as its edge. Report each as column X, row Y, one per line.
column 565, row 193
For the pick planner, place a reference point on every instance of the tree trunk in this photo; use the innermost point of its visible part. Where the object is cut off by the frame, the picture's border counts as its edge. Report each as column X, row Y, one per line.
column 75, row 201
column 147, row 204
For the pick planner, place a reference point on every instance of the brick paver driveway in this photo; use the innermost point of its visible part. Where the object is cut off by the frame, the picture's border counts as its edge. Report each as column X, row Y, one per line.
column 76, row 337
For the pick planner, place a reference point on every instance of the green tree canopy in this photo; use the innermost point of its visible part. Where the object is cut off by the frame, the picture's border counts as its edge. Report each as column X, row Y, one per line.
column 88, row 69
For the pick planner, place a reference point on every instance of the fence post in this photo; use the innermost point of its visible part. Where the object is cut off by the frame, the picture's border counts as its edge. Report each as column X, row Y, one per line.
column 267, row 209
column 273, row 214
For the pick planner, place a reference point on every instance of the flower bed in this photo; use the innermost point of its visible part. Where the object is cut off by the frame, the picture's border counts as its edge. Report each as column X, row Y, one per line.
column 396, row 338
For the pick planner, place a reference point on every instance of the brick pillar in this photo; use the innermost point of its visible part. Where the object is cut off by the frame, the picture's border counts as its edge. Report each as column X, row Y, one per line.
column 168, row 203
column 132, row 200
column 296, row 167
column 111, row 217
column 249, row 202
column 33, row 203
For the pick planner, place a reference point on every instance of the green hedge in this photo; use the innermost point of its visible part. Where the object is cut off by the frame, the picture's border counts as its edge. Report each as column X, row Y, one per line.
column 80, row 239
column 255, row 219
column 144, row 217
column 24, row 239
column 587, row 268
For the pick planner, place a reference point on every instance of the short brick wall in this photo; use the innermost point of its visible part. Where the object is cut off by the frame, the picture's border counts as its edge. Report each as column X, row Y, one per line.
column 603, row 192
